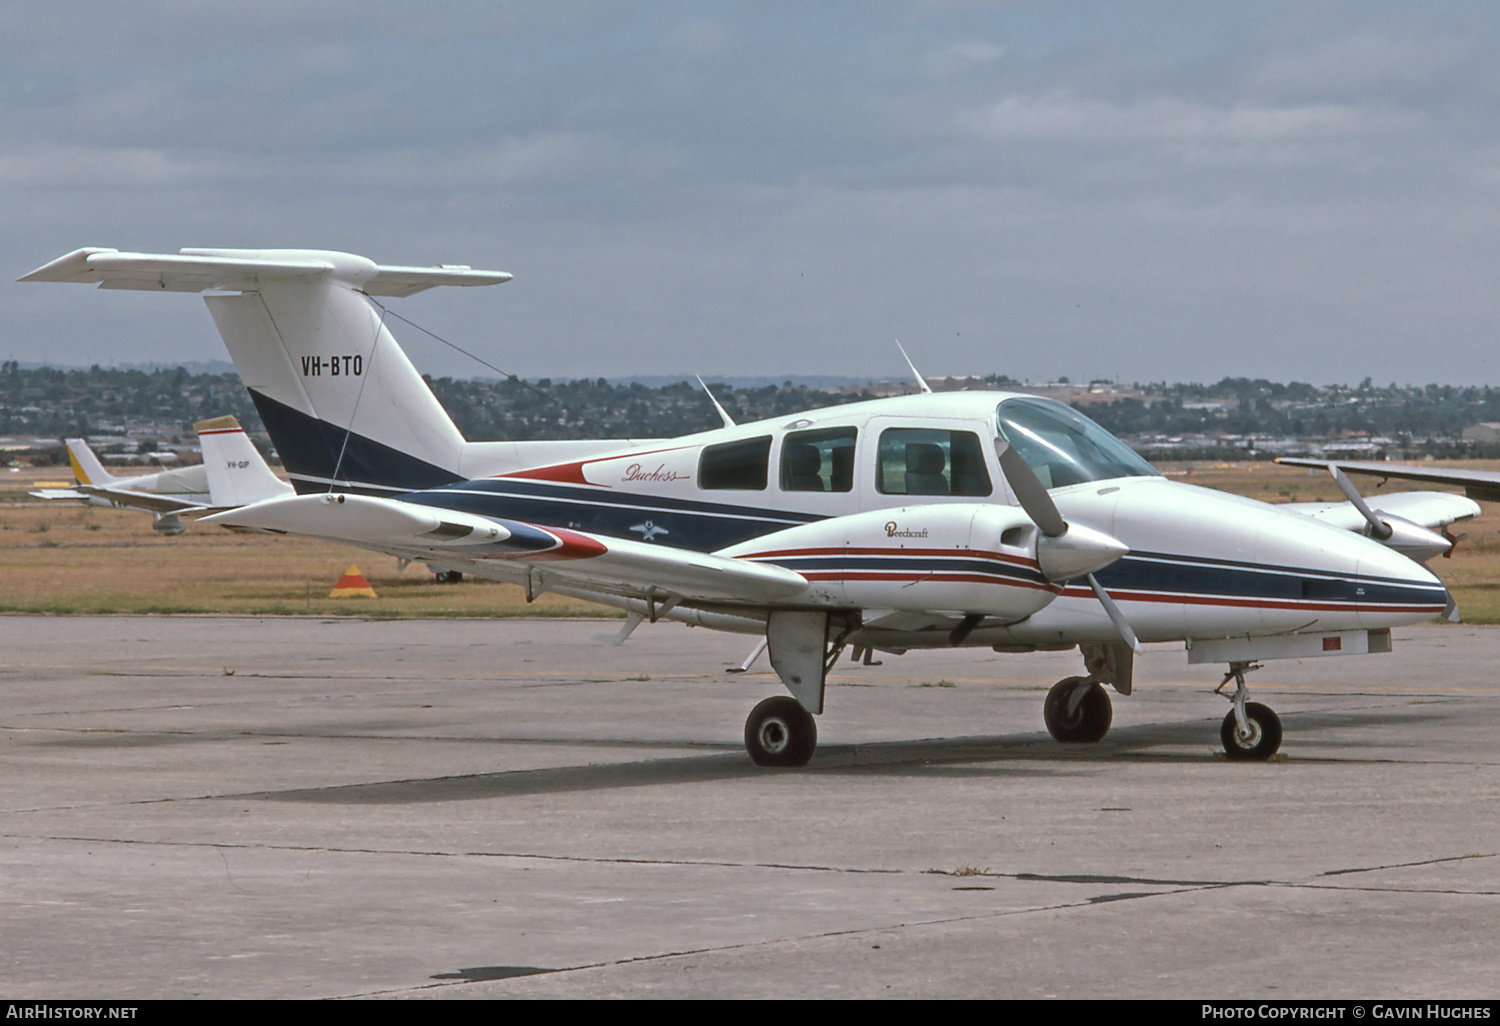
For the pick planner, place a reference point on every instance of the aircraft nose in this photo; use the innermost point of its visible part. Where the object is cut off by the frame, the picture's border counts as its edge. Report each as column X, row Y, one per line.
column 1396, row 587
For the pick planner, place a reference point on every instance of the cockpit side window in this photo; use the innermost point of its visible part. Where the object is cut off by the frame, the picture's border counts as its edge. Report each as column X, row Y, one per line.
column 1063, row 446
column 736, row 465
column 818, row 461
column 926, row 461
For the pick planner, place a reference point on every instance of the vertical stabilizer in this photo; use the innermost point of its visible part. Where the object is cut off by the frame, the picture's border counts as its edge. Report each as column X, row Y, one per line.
column 237, row 474
column 86, row 466
column 341, row 401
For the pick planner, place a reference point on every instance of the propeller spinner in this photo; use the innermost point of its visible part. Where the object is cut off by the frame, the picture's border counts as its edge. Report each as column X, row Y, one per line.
column 1065, row 551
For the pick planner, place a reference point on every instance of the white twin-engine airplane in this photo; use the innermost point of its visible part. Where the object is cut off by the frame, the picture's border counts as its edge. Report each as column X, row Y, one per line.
column 927, row 521
column 232, row 474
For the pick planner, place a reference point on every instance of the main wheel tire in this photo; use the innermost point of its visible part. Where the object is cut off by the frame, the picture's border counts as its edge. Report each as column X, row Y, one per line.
column 1264, row 739
column 1080, row 721
column 780, row 732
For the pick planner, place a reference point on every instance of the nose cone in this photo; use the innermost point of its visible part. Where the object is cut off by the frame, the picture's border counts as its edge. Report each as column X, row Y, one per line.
column 1392, row 590
column 1205, row 564
column 1078, row 551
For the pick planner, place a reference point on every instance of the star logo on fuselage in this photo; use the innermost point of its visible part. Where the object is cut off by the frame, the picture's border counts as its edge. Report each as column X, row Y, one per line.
column 649, row 531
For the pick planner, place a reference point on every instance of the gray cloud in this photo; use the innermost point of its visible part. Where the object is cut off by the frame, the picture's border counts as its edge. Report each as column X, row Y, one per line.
column 1151, row 190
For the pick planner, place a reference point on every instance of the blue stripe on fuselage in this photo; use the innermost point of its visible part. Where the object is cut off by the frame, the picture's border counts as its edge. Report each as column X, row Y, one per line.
column 1191, row 575
column 678, row 523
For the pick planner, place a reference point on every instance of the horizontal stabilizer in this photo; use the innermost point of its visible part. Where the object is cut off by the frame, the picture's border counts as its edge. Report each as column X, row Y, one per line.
column 245, row 270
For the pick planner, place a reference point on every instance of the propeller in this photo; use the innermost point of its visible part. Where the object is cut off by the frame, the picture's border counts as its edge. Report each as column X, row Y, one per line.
column 1410, row 539
column 1379, row 529
column 1064, row 551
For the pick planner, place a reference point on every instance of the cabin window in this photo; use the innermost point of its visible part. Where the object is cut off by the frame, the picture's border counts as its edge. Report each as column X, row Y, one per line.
column 818, row 461
column 924, row 461
column 736, row 465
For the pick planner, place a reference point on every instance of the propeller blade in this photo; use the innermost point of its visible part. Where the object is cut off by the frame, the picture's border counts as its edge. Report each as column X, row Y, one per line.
column 1379, row 529
column 1451, row 613
column 1116, row 617
column 1028, row 490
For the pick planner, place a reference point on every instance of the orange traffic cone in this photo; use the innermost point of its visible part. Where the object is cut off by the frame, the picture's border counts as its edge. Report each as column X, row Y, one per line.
column 352, row 585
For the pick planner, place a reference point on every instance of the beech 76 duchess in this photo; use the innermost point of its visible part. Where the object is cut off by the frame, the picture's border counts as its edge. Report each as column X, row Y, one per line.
column 932, row 520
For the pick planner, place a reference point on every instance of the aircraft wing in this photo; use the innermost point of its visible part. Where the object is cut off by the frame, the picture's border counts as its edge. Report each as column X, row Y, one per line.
column 1429, row 509
column 518, row 552
column 1477, row 484
column 59, row 494
column 147, row 501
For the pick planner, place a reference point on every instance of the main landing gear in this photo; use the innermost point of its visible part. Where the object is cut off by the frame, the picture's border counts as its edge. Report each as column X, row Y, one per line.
column 1077, row 711
column 1251, row 732
column 780, row 732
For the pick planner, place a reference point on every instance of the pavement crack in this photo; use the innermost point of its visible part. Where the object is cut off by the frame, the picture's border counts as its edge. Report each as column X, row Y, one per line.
column 1409, row 865
column 796, row 939
column 538, row 856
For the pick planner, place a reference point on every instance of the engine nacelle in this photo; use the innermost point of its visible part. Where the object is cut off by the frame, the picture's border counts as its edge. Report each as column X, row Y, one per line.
column 963, row 558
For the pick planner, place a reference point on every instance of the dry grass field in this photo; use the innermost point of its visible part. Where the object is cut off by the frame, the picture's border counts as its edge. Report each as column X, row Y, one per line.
column 59, row 558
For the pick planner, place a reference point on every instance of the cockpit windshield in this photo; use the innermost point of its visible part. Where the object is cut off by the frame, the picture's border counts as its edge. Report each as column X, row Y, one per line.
column 1063, row 446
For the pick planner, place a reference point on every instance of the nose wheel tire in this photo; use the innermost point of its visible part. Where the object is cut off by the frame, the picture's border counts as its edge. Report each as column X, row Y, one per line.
column 1077, row 711
column 780, row 732
column 1263, row 739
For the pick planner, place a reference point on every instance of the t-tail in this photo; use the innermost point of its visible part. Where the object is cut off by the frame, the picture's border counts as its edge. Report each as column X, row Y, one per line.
column 343, row 405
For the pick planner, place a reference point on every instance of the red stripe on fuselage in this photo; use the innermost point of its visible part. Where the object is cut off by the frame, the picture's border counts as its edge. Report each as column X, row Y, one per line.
column 936, row 577
column 572, row 473
column 1002, row 557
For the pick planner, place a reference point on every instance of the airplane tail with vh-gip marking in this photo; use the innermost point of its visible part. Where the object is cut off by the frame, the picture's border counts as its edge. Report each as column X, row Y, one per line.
column 237, row 473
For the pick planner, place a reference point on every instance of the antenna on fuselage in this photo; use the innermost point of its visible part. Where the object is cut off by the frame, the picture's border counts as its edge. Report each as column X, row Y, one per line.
column 914, row 372
column 723, row 414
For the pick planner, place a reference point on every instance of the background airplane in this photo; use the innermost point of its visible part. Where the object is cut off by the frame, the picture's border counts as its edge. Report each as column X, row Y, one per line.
column 934, row 520
column 233, row 473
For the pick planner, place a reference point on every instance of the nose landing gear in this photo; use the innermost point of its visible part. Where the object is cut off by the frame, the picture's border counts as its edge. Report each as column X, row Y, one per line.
column 1251, row 732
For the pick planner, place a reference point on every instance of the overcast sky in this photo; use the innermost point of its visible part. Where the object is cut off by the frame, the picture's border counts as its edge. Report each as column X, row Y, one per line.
column 1148, row 191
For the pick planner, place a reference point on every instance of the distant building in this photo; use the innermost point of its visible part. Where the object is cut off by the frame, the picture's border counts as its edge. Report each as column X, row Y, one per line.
column 1488, row 431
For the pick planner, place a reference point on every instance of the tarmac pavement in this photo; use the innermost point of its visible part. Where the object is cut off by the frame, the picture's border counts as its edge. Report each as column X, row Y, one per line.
column 304, row 807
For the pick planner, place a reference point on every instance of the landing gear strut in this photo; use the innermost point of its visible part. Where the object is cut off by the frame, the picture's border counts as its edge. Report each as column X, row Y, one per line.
column 1251, row 732
column 1077, row 710
column 780, row 732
